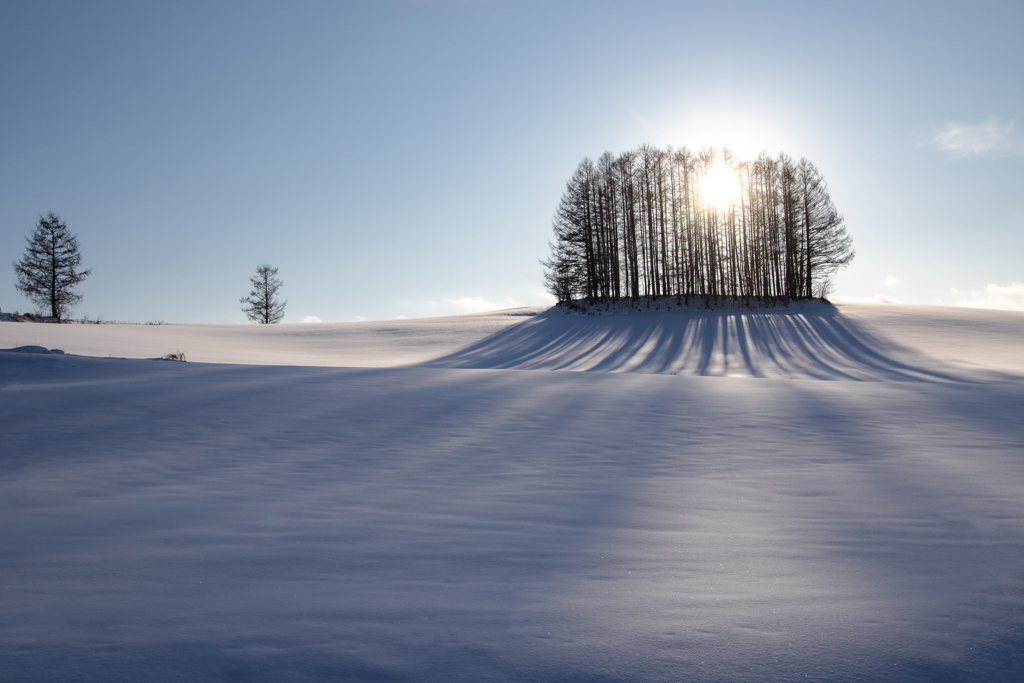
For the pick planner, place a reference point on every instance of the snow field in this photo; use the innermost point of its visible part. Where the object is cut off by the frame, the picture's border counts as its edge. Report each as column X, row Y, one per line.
column 846, row 341
column 357, row 344
column 187, row 521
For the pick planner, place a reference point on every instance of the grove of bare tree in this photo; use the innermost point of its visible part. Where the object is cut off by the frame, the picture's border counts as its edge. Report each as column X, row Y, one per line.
column 672, row 223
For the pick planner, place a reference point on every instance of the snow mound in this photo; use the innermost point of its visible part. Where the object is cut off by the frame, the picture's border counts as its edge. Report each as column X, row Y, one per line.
column 31, row 349
column 694, row 303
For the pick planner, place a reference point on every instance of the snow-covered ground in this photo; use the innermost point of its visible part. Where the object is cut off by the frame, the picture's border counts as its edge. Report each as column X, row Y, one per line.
column 809, row 341
column 356, row 344
column 449, row 508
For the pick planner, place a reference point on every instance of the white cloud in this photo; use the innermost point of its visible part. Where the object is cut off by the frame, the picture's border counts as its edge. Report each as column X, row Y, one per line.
column 360, row 319
column 1009, row 297
column 990, row 138
column 876, row 299
column 311, row 319
column 477, row 304
column 891, row 281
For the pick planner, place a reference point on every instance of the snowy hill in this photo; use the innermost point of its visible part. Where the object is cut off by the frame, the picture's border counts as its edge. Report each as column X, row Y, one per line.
column 682, row 510
column 858, row 341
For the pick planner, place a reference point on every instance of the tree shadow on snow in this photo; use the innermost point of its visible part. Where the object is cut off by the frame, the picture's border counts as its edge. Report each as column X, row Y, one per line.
column 816, row 342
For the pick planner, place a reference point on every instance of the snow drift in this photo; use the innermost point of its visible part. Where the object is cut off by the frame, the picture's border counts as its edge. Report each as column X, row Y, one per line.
column 458, row 517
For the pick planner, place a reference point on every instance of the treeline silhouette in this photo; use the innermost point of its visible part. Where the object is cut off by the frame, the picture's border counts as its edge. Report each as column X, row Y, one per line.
column 673, row 223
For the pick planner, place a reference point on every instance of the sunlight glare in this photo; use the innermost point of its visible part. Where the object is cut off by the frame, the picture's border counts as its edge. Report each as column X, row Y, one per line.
column 720, row 185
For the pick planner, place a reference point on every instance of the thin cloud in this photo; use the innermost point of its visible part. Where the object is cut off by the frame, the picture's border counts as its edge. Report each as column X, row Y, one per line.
column 1008, row 298
column 989, row 138
column 876, row 299
column 477, row 304
column 311, row 319
column 891, row 281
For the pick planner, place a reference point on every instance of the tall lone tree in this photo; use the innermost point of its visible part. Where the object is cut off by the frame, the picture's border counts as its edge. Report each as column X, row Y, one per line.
column 261, row 306
column 48, row 273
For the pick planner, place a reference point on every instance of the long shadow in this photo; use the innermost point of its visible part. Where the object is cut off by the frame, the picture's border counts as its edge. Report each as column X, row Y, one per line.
column 341, row 516
column 814, row 342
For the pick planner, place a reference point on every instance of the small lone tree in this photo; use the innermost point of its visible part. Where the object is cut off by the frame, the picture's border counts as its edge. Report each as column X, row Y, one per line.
column 261, row 305
column 48, row 272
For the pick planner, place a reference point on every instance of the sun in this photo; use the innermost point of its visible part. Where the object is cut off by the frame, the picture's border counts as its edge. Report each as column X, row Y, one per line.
column 720, row 186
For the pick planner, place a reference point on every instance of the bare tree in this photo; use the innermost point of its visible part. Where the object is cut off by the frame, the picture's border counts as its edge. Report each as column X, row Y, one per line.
column 829, row 247
column 261, row 306
column 48, row 273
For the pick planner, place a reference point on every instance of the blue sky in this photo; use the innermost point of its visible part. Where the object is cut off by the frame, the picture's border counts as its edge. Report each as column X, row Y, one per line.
column 405, row 158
